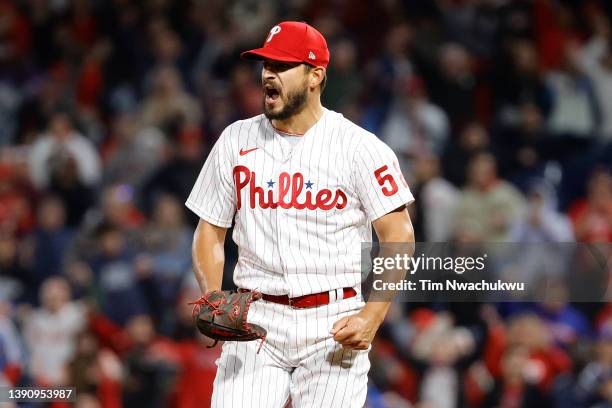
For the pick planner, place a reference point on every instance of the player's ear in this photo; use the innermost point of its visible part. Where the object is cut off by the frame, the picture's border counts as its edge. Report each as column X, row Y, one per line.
column 317, row 75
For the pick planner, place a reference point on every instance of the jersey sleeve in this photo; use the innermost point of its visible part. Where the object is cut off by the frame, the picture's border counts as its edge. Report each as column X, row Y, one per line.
column 212, row 197
column 379, row 182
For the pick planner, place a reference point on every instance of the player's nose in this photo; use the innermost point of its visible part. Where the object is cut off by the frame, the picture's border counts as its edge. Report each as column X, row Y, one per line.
column 267, row 75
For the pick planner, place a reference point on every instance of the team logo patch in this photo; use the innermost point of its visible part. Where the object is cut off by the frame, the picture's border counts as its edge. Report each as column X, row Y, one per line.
column 311, row 55
column 275, row 30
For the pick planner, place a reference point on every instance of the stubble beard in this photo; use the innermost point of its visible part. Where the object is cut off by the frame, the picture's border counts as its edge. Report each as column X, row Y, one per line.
column 296, row 101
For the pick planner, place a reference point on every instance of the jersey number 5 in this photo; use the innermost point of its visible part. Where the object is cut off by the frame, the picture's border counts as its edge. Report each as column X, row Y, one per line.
column 385, row 178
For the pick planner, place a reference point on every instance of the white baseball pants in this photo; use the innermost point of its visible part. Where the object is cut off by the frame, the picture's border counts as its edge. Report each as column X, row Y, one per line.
column 300, row 361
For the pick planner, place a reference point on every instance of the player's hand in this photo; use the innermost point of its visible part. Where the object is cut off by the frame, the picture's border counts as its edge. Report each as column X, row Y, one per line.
column 355, row 332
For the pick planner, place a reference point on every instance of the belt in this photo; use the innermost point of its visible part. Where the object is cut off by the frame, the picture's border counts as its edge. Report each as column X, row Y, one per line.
column 312, row 300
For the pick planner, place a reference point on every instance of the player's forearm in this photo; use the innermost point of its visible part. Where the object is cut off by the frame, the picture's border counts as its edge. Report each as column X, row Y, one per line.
column 394, row 229
column 397, row 229
column 208, row 255
column 375, row 311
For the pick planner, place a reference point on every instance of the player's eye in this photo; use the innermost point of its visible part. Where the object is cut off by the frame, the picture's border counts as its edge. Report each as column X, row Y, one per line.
column 278, row 66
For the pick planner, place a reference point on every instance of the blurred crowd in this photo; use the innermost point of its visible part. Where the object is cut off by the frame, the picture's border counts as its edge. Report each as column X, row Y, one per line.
column 500, row 112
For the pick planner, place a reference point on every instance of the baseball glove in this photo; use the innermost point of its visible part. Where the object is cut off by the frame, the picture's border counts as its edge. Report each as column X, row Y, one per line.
column 223, row 315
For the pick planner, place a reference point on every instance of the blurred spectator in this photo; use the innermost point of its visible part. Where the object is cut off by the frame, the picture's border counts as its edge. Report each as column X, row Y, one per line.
column 455, row 90
column 488, row 205
column 521, row 148
column 15, row 38
column 132, row 152
column 118, row 207
column 167, row 240
column 396, row 55
column 115, row 268
column 166, row 44
column 343, row 83
column 123, row 25
column 76, row 195
column 15, row 209
column 197, row 367
column 596, row 61
column 16, row 281
column 435, row 201
column 197, row 373
column 473, row 139
column 542, row 221
column 575, row 114
column 592, row 217
column 10, row 101
column 44, row 49
column 63, row 143
column 182, row 328
column 566, row 324
column 544, row 263
column 150, row 366
column 593, row 387
column 168, row 103
column 414, row 126
column 441, row 354
column 90, row 83
column 221, row 111
column 96, row 371
column 521, row 84
column 395, row 382
column 246, row 90
column 553, row 25
column 514, row 388
column 214, row 58
column 12, row 355
column 474, row 25
column 384, row 72
column 175, row 177
column 50, row 332
column 83, row 23
column 81, row 279
column 49, row 240
column 546, row 361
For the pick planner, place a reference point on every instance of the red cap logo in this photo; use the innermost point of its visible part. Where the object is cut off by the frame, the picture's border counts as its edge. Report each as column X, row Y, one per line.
column 292, row 41
column 275, row 30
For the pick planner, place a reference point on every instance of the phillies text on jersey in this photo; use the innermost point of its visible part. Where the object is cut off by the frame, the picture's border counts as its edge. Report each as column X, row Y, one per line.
column 301, row 210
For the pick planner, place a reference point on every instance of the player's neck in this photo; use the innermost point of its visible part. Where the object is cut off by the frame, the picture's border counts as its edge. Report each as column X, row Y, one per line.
column 300, row 123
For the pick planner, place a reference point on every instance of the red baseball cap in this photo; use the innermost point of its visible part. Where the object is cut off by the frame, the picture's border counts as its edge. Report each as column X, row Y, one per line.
column 292, row 41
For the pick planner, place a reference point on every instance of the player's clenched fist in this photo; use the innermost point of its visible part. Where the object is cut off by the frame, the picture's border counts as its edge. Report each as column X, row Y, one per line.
column 356, row 331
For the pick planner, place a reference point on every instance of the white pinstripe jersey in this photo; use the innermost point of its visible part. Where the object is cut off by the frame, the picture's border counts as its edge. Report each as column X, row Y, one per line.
column 301, row 210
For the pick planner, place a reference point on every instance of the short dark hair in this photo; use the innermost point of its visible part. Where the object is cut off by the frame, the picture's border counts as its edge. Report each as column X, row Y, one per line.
column 308, row 67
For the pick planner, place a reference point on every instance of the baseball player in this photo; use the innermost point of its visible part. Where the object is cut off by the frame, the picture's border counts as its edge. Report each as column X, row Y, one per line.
column 304, row 186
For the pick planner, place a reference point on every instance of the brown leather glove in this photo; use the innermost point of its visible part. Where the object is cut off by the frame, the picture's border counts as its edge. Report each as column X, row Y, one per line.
column 223, row 315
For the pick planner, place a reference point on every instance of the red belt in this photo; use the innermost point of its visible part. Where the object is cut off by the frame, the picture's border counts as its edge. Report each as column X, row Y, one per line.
column 312, row 300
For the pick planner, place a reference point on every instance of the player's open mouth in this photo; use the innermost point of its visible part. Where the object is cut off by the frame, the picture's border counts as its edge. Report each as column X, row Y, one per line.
column 271, row 93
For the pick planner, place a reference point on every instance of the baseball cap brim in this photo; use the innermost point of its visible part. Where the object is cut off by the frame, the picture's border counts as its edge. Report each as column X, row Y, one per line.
column 259, row 54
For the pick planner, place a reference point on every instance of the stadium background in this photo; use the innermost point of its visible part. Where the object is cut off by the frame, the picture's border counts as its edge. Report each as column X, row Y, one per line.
column 500, row 112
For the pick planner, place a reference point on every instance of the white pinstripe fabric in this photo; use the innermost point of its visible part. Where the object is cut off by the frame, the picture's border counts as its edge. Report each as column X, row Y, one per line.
column 289, row 250
column 299, row 360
